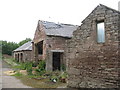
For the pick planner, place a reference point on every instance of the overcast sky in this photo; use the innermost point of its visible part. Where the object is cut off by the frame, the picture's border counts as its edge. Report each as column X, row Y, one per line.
column 19, row 18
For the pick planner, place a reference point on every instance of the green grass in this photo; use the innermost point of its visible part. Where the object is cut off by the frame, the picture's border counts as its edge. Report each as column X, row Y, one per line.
column 43, row 83
column 37, row 81
column 10, row 61
column 17, row 74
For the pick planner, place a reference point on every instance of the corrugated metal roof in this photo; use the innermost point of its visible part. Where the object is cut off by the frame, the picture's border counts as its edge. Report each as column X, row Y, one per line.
column 26, row 46
column 53, row 29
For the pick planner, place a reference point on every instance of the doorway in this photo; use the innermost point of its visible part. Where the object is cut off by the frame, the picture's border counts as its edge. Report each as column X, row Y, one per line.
column 56, row 60
column 18, row 58
column 21, row 57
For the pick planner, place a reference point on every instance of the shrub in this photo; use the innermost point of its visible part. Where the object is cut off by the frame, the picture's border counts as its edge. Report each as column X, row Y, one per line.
column 41, row 68
column 25, row 66
column 34, row 64
column 39, row 72
column 41, row 65
column 63, row 67
column 29, row 68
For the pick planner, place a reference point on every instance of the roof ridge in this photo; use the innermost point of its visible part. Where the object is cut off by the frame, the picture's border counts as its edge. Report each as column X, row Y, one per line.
column 25, row 46
column 57, row 23
column 110, row 8
column 99, row 6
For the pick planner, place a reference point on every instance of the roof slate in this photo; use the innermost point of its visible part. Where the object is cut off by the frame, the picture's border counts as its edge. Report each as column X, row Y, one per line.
column 63, row 30
column 25, row 47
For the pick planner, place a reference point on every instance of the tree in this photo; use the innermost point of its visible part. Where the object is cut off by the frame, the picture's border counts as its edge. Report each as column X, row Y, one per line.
column 24, row 41
column 8, row 47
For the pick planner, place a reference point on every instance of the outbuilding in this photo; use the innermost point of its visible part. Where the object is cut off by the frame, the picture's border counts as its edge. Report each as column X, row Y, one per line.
column 49, row 43
column 23, row 53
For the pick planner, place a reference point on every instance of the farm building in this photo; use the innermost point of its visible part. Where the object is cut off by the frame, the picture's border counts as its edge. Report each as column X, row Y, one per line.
column 24, row 52
column 92, row 54
column 49, row 43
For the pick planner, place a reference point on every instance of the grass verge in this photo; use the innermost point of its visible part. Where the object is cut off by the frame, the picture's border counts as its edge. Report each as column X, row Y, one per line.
column 38, row 81
column 10, row 61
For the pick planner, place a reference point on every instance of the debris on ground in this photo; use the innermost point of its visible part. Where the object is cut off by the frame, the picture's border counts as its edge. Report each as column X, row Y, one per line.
column 12, row 72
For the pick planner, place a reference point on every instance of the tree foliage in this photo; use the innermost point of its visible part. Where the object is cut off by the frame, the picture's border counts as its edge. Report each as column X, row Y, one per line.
column 24, row 41
column 8, row 47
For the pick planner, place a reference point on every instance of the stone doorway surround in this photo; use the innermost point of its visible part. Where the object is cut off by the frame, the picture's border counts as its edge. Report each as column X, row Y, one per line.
column 49, row 61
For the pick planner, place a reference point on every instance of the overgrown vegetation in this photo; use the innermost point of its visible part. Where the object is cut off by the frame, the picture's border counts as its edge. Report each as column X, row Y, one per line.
column 40, row 70
column 63, row 67
column 37, row 76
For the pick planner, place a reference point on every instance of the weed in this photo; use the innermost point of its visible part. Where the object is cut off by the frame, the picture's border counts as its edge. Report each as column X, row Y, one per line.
column 41, row 65
column 29, row 68
column 63, row 76
column 41, row 68
column 18, row 74
column 63, row 67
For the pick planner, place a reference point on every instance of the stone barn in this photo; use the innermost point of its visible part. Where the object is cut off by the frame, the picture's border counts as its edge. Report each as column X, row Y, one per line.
column 23, row 53
column 49, row 43
column 92, row 54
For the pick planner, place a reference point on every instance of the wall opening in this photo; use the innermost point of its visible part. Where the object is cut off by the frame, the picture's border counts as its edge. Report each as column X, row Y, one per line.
column 40, row 47
column 18, row 58
column 21, row 57
column 56, row 60
column 100, row 32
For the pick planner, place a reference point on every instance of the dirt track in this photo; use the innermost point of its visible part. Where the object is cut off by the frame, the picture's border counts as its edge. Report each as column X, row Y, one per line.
column 10, row 81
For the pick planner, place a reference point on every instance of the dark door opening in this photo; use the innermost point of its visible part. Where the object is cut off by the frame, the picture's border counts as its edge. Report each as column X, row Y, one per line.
column 18, row 58
column 21, row 57
column 56, row 60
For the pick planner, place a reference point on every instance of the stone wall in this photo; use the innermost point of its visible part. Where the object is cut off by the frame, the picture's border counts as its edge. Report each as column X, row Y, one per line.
column 93, row 64
column 26, row 56
column 38, row 37
column 50, row 43
column 55, row 44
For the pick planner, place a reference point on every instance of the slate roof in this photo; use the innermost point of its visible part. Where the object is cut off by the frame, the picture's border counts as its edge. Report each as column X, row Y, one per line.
column 25, row 47
column 63, row 30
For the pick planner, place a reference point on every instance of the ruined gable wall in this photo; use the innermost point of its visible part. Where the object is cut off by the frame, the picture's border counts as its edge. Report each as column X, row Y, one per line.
column 90, row 64
column 39, row 36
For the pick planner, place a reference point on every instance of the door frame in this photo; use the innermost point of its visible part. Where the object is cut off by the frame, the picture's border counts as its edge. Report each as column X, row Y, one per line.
column 49, row 63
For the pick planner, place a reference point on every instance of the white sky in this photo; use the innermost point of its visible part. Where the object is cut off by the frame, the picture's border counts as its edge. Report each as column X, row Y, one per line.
column 18, row 18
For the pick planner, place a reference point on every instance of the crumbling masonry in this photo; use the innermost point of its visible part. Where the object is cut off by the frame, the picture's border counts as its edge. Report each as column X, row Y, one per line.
column 91, row 63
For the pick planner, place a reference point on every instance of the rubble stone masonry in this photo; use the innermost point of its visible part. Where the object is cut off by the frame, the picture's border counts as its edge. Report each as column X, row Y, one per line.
column 93, row 64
